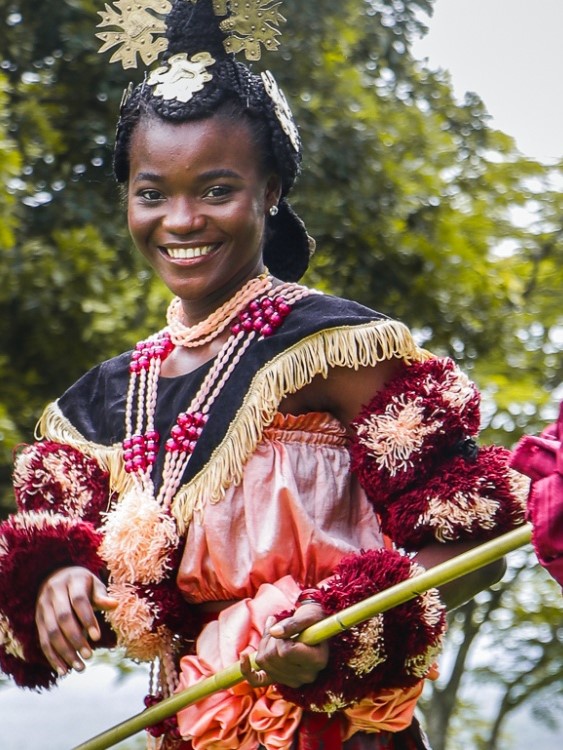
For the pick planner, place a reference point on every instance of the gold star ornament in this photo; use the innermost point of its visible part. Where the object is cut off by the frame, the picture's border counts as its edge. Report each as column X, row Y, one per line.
column 141, row 24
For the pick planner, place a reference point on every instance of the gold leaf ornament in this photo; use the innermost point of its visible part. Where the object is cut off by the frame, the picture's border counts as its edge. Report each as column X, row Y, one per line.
column 281, row 108
column 140, row 31
column 182, row 76
column 250, row 23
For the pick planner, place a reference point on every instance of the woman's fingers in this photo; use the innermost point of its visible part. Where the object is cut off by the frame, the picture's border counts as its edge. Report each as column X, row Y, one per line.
column 302, row 618
column 255, row 677
column 58, row 651
column 286, row 660
column 65, row 616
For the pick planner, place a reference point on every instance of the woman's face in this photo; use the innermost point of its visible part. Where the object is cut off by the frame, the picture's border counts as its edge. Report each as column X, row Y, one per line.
column 197, row 205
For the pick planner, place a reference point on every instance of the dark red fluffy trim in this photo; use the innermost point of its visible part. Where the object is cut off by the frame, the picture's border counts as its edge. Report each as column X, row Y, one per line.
column 409, row 632
column 34, row 676
column 172, row 609
column 32, row 546
column 56, row 477
column 415, row 457
column 465, row 500
column 407, row 428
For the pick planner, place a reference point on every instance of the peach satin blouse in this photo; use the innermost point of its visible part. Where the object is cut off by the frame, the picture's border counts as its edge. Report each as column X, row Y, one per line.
column 297, row 512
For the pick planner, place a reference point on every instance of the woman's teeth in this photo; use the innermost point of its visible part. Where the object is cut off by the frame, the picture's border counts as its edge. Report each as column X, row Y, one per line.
column 186, row 253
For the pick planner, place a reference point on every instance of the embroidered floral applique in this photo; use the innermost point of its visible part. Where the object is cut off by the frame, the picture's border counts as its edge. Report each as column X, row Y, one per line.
column 182, row 76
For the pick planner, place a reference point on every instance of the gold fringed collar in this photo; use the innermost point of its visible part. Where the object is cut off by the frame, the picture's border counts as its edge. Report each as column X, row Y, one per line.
column 352, row 346
column 346, row 346
column 53, row 425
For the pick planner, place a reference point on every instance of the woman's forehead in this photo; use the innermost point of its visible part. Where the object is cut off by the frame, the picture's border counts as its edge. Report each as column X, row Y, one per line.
column 212, row 141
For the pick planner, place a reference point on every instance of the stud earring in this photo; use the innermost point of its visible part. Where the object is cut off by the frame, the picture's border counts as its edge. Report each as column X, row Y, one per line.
column 274, row 210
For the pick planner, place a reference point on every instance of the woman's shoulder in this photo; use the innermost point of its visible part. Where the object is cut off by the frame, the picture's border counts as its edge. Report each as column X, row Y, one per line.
column 113, row 370
column 330, row 306
column 91, row 401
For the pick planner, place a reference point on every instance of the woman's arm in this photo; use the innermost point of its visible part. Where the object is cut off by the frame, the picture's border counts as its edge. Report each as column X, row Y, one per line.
column 438, row 400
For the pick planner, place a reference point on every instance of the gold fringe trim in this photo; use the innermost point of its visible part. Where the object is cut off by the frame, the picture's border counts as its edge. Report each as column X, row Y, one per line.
column 53, row 425
column 293, row 369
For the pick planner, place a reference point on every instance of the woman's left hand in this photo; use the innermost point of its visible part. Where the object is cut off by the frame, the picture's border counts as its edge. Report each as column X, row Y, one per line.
column 281, row 658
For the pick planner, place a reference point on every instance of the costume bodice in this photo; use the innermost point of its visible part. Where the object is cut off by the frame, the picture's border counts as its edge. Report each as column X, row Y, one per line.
column 297, row 511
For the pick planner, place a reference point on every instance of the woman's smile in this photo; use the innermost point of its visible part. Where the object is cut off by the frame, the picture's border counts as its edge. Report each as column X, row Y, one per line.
column 188, row 253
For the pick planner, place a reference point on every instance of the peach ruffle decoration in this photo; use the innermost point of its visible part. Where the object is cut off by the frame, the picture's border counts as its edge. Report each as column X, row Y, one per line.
column 244, row 718
column 389, row 710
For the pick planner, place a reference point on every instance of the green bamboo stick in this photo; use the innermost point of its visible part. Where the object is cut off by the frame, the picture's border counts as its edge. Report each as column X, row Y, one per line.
column 439, row 575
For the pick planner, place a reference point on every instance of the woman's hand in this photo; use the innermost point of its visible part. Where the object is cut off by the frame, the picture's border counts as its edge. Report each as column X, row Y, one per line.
column 281, row 658
column 65, row 617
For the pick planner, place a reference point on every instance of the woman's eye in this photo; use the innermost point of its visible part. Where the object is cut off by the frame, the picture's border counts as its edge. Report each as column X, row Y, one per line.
column 218, row 191
column 150, row 195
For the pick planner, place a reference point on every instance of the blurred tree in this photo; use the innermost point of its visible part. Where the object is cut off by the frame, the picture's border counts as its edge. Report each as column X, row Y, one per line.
column 418, row 206
column 507, row 642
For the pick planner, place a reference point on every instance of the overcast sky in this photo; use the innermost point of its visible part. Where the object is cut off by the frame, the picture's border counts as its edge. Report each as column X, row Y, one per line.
column 510, row 52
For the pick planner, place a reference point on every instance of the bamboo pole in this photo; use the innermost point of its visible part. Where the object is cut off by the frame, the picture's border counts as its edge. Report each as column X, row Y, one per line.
column 445, row 572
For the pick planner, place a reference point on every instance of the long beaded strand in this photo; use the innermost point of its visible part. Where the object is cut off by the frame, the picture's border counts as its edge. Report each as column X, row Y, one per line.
column 260, row 318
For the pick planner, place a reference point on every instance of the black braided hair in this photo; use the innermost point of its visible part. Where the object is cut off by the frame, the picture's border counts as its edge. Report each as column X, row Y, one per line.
column 234, row 93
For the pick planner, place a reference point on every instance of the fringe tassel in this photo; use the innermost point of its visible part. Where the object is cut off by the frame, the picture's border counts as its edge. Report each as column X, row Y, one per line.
column 348, row 346
column 53, row 425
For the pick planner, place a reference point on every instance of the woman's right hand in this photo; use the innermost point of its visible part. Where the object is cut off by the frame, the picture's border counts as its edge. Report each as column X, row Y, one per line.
column 65, row 616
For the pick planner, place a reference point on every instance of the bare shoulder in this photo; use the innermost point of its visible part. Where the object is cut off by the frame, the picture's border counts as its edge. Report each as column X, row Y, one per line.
column 344, row 391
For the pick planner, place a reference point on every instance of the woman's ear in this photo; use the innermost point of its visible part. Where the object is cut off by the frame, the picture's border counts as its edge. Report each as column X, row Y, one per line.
column 273, row 191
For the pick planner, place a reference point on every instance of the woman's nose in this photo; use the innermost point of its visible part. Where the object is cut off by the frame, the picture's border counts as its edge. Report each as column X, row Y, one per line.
column 183, row 217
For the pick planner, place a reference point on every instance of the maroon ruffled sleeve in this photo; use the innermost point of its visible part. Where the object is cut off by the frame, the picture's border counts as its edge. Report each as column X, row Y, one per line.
column 394, row 649
column 414, row 449
column 60, row 495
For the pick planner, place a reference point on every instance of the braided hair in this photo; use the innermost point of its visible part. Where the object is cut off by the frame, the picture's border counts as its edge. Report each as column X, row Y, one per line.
column 235, row 94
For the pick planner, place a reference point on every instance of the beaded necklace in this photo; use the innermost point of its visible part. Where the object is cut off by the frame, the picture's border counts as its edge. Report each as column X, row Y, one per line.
column 204, row 332
column 140, row 534
column 254, row 313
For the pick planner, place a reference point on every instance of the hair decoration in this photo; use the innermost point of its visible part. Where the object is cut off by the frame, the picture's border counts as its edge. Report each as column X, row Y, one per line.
column 181, row 77
column 142, row 25
column 138, row 29
column 281, row 108
column 250, row 24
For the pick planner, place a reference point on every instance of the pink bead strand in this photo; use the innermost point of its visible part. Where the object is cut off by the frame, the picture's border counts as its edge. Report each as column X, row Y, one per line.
column 255, row 312
column 208, row 329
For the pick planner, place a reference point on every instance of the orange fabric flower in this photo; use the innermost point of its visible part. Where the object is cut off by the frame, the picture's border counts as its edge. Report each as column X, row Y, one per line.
column 220, row 720
column 275, row 720
column 389, row 710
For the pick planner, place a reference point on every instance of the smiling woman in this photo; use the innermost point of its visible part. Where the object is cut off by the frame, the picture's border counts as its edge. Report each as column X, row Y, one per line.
column 198, row 202
column 270, row 456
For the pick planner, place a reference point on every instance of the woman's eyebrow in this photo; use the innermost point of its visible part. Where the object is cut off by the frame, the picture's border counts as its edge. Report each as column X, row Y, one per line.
column 214, row 174
column 149, row 176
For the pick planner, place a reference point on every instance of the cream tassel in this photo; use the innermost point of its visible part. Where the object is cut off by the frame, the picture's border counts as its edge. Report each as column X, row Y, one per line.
column 138, row 536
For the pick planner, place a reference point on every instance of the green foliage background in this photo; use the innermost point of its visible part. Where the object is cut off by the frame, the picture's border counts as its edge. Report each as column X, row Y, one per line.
column 419, row 208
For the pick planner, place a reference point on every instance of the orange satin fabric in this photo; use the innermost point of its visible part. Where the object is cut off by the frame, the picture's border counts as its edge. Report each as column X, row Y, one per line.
column 297, row 511
column 245, row 717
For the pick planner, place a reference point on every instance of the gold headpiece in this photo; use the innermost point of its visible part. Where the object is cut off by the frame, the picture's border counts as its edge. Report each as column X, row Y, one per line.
column 248, row 24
